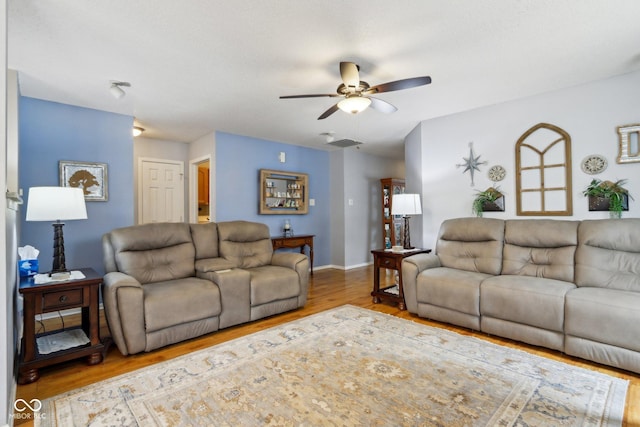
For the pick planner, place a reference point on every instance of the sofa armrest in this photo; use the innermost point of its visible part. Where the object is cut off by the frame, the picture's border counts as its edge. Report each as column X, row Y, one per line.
column 123, row 300
column 299, row 263
column 411, row 268
column 287, row 259
column 235, row 294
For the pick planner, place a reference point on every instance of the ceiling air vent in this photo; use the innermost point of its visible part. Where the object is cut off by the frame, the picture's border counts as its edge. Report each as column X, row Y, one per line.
column 344, row 143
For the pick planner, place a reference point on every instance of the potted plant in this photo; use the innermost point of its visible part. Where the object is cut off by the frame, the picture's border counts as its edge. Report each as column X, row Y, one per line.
column 607, row 195
column 489, row 200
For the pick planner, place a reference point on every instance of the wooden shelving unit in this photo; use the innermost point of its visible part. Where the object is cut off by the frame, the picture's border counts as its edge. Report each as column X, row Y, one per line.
column 391, row 226
column 283, row 192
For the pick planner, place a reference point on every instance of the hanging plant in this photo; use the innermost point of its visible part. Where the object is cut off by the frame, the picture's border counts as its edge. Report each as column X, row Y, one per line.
column 613, row 194
column 487, row 200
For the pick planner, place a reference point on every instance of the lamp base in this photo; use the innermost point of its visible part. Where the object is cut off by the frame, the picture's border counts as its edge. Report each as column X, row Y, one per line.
column 407, row 237
column 59, row 265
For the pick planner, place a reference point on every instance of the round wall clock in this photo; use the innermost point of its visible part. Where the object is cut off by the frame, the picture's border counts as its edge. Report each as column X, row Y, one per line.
column 496, row 173
column 594, row 164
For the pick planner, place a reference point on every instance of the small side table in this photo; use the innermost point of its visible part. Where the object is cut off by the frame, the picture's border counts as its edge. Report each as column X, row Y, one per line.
column 54, row 296
column 295, row 242
column 390, row 260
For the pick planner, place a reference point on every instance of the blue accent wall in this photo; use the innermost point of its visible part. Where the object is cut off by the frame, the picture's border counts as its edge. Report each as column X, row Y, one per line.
column 238, row 162
column 50, row 132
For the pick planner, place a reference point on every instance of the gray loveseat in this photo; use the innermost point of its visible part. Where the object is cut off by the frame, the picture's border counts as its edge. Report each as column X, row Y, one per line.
column 572, row 286
column 168, row 282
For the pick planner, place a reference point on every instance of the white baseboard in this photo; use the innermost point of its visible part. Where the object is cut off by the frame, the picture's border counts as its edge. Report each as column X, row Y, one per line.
column 342, row 267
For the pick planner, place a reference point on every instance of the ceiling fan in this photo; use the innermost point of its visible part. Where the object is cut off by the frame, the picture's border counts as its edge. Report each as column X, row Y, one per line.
column 356, row 93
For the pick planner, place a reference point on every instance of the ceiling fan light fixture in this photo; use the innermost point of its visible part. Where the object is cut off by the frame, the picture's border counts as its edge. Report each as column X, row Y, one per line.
column 354, row 104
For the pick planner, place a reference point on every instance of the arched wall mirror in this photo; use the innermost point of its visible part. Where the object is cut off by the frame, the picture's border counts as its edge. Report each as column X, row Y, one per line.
column 543, row 172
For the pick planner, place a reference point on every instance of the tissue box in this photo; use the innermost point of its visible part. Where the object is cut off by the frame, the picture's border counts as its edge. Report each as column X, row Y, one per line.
column 28, row 267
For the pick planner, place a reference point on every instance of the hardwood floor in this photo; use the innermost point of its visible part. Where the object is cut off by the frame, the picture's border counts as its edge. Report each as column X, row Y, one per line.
column 328, row 288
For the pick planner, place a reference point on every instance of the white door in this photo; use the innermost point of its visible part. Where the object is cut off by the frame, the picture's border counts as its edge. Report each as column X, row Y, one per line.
column 161, row 195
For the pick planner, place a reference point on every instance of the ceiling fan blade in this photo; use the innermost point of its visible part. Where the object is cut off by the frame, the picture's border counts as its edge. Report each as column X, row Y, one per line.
column 350, row 75
column 329, row 112
column 382, row 106
column 399, row 85
column 319, row 95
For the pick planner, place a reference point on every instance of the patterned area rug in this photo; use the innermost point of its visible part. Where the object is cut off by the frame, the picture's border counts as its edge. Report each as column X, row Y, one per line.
column 348, row 366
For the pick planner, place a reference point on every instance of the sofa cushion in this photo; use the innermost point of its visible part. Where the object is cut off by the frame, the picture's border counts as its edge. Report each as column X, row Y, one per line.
column 154, row 252
column 604, row 315
column 471, row 244
column 608, row 254
column 205, row 240
column 540, row 248
column 450, row 288
column 179, row 301
column 527, row 300
column 245, row 244
column 272, row 283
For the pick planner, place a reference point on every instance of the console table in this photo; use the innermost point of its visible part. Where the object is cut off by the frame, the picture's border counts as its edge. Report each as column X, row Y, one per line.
column 298, row 241
column 386, row 258
column 54, row 296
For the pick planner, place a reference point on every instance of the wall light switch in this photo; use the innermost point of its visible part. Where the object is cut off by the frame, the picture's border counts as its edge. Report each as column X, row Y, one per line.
column 350, row 202
column 282, row 157
column 312, row 202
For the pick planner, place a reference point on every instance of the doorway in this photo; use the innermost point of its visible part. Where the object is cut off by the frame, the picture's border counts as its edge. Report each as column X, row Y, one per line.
column 200, row 209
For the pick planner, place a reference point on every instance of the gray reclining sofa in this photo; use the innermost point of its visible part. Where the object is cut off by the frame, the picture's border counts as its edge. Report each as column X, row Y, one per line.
column 572, row 286
column 168, row 282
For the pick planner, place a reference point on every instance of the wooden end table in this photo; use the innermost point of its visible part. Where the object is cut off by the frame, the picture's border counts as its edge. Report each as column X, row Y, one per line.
column 298, row 241
column 55, row 296
column 385, row 258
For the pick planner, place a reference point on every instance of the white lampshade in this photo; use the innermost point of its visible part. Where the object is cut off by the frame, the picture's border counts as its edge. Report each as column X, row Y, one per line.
column 406, row 204
column 137, row 131
column 55, row 203
column 354, row 104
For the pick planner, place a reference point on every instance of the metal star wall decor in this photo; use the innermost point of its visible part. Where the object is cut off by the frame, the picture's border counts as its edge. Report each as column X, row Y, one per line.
column 471, row 163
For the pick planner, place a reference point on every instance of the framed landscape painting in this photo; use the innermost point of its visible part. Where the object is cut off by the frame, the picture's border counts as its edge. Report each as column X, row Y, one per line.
column 90, row 176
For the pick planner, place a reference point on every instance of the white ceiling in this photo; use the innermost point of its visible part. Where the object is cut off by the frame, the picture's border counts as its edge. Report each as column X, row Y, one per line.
column 196, row 66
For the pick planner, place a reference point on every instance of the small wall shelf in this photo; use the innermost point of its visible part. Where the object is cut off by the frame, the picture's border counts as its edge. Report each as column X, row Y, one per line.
column 283, row 193
column 496, row 206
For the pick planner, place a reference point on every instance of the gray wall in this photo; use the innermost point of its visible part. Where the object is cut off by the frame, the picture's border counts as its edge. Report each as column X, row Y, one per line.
column 590, row 113
column 413, row 183
column 363, row 218
column 336, row 189
column 355, row 190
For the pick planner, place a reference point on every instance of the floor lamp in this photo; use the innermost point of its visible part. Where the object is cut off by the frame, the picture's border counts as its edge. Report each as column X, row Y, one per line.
column 406, row 205
column 56, row 204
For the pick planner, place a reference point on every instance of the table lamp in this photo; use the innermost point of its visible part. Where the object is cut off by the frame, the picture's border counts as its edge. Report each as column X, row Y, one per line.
column 406, row 205
column 56, row 204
